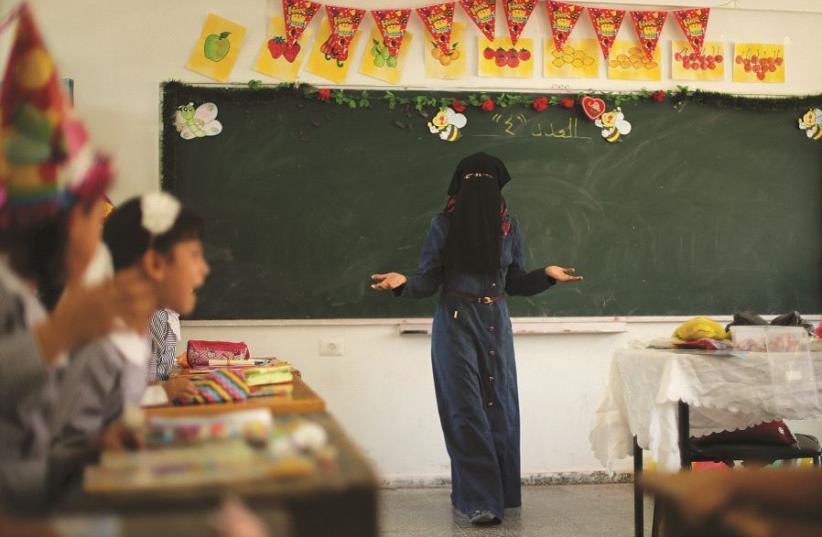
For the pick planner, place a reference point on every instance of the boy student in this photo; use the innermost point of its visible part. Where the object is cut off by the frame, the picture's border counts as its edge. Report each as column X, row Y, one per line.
column 154, row 236
column 51, row 204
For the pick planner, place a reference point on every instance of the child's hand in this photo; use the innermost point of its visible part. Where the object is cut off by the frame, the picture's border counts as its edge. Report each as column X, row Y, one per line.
column 118, row 437
column 235, row 520
column 86, row 313
column 179, row 388
column 562, row 274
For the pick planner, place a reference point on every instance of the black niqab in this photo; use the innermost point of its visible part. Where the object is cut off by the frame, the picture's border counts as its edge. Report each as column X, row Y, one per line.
column 474, row 235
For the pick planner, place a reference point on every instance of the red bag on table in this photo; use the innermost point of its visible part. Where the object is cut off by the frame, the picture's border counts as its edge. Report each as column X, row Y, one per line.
column 200, row 351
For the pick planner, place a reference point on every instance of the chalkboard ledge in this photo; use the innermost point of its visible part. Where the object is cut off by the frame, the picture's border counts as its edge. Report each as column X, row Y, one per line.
column 521, row 325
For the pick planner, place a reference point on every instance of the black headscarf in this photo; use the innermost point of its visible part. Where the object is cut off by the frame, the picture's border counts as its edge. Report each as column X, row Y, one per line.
column 476, row 211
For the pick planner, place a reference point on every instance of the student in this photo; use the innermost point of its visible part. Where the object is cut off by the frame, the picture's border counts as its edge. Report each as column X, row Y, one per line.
column 51, row 192
column 150, row 235
column 165, row 333
column 474, row 252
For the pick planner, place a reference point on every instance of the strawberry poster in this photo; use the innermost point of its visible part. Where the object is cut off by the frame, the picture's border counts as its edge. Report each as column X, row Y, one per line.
column 562, row 18
column 517, row 13
column 392, row 24
column 606, row 25
column 648, row 26
column 298, row 15
column 694, row 24
column 484, row 15
column 439, row 20
column 279, row 59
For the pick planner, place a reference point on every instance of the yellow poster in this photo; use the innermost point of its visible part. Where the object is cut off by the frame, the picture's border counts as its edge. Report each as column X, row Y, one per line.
column 327, row 67
column 627, row 62
column 500, row 58
column 688, row 65
column 217, row 49
column 276, row 59
column 579, row 58
column 759, row 62
column 449, row 66
column 377, row 62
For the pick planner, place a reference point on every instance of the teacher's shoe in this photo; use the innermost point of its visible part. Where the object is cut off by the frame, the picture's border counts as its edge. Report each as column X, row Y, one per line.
column 483, row 518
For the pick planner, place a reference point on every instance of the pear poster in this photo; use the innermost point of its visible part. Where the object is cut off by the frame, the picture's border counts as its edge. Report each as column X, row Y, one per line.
column 217, row 48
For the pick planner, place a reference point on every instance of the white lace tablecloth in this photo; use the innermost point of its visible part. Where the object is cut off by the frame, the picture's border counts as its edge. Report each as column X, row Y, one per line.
column 725, row 393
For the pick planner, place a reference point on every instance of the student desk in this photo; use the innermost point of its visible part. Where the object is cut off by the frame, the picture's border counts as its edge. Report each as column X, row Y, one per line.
column 639, row 409
column 303, row 400
column 342, row 502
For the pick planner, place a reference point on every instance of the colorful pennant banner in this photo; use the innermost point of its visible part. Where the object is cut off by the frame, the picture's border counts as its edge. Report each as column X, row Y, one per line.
column 562, row 17
column 694, row 24
column 484, row 15
column 606, row 25
column 439, row 20
column 517, row 13
column 297, row 15
column 648, row 26
column 392, row 23
column 344, row 22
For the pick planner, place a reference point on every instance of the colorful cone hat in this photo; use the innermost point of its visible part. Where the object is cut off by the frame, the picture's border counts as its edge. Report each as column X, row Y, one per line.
column 46, row 160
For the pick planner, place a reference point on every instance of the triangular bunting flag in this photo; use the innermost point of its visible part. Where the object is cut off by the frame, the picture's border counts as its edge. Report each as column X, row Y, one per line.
column 439, row 19
column 297, row 15
column 694, row 24
column 484, row 15
column 392, row 23
column 517, row 13
column 606, row 25
column 46, row 158
column 648, row 26
column 562, row 17
column 344, row 22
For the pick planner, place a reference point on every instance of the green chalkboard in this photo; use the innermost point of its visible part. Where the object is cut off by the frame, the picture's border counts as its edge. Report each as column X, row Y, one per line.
column 701, row 209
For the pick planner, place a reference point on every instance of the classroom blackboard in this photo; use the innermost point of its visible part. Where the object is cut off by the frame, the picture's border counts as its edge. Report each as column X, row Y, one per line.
column 701, row 209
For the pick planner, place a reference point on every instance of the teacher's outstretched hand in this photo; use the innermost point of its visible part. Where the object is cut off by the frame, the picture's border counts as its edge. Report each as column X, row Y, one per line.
column 561, row 274
column 389, row 280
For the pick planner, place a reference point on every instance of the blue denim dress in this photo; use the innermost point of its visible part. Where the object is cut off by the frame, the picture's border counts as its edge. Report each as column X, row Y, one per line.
column 475, row 377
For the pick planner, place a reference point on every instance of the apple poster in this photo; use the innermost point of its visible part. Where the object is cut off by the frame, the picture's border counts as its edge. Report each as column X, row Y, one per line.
column 217, row 49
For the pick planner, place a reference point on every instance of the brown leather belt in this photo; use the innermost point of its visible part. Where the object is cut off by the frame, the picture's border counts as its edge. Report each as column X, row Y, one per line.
column 474, row 299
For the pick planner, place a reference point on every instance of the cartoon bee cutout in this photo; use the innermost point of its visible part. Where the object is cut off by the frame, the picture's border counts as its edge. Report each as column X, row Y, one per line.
column 613, row 125
column 811, row 123
column 197, row 123
column 447, row 124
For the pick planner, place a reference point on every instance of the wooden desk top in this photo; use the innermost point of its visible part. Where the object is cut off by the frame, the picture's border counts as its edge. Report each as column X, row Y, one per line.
column 302, row 401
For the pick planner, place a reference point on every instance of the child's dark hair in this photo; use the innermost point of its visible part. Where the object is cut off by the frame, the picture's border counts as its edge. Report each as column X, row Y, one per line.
column 128, row 240
column 37, row 251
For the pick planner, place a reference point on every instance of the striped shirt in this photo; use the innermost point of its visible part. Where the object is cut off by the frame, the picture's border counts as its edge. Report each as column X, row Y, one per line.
column 163, row 346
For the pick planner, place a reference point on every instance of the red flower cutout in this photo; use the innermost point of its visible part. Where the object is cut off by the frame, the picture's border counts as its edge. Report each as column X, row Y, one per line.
column 658, row 96
column 567, row 103
column 457, row 105
column 487, row 105
column 324, row 94
column 540, row 103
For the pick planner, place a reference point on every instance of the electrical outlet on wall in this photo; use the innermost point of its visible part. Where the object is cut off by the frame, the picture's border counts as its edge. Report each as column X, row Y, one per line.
column 331, row 347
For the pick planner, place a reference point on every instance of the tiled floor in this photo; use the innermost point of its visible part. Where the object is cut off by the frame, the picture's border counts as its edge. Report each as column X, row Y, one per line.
column 555, row 511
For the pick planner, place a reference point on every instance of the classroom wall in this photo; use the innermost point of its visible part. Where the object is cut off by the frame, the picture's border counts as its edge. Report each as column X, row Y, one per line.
column 119, row 52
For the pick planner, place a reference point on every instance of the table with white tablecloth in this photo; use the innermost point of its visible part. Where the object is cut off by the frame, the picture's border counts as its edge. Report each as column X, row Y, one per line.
column 725, row 392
